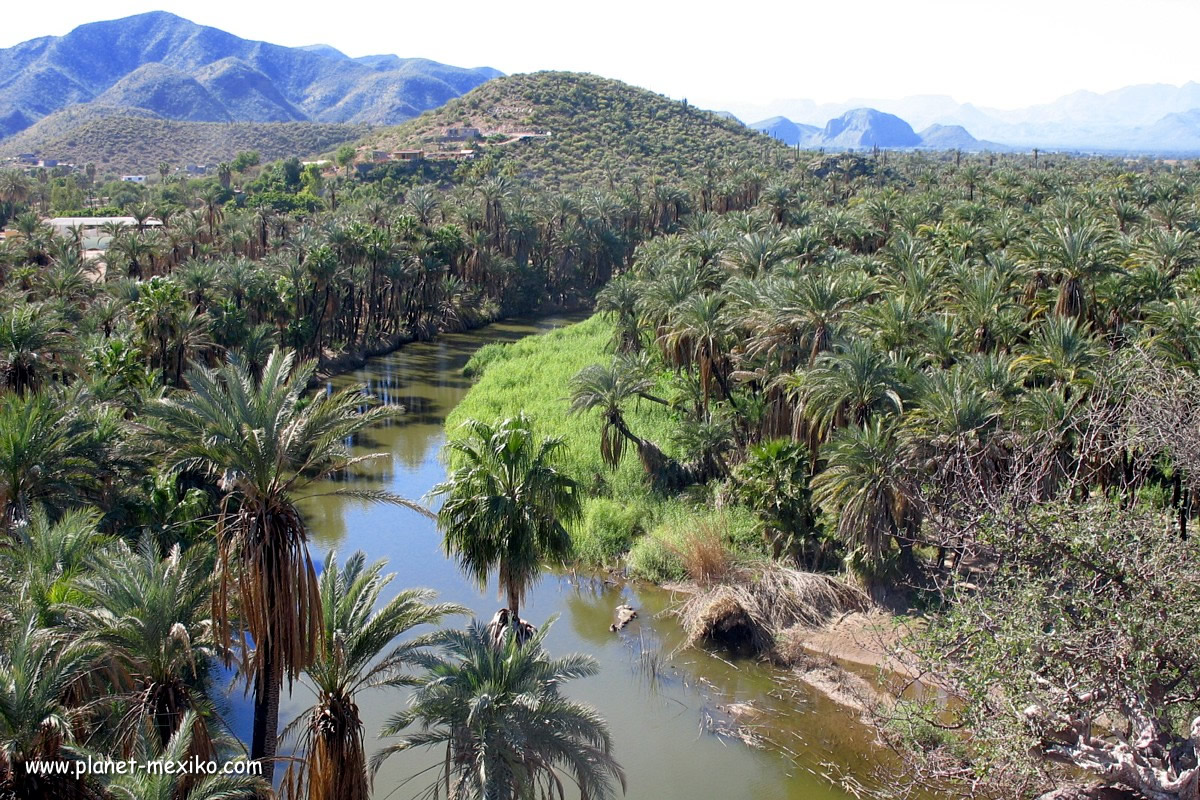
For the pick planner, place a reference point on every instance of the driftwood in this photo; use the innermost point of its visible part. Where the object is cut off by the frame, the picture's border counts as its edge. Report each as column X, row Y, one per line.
column 625, row 615
column 1090, row 793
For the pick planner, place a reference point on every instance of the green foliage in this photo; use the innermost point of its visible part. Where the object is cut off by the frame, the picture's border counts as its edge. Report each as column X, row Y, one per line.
column 654, row 559
column 533, row 375
column 609, row 529
column 1076, row 630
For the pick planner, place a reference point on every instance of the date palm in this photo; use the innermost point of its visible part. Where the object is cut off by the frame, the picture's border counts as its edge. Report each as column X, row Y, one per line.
column 38, row 667
column 360, row 653
column 864, row 485
column 264, row 443
column 506, row 506
column 152, row 615
column 1078, row 255
column 847, row 387
column 499, row 714
column 609, row 389
column 45, row 456
column 698, row 331
column 164, row 785
column 30, row 343
column 48, row 560
column 1063, row 351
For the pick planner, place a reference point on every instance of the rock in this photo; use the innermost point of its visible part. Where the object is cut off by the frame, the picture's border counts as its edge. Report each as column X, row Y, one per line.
column 625, row 615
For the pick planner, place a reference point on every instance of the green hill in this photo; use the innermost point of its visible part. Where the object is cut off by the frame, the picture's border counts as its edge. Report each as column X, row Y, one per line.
column 116, row 141
column 582, row 128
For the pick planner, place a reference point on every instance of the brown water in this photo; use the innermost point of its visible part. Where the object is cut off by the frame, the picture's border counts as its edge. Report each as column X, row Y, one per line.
column 663, row 703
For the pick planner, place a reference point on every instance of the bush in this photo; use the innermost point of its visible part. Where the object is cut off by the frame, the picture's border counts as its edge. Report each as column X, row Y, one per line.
column 608, row 530
column 655, row 560
column 701, row 544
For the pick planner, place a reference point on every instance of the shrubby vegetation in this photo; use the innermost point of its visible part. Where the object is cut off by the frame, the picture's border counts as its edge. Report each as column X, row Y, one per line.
column 120, row 143
column 603, row 133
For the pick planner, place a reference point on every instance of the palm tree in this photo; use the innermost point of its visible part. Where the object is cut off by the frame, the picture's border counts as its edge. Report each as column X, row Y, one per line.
column 506, row 505
column 44, row 456
column 1079, row 255
column 864, row 486
column 38, row 667
column 608, row 389
column 848, row 386
column 506, row 729
column 180, row 785
column 152, row 614
column 29, row 346
column 330, row 761
column 619, row 299
column 1063, row 351
column 48, row 560
column 263, row 443
column 699, row 333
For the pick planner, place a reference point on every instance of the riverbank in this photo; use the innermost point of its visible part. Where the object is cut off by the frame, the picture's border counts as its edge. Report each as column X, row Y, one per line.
column 668, row 541
column 654, row 692
column 332, row 364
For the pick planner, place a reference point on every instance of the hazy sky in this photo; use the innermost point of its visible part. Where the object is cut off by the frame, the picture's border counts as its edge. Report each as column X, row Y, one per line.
column 1003, row 53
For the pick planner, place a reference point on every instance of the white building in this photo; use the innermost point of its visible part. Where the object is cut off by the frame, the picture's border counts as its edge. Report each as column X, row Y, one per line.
column 92, row 228
column 133, row 178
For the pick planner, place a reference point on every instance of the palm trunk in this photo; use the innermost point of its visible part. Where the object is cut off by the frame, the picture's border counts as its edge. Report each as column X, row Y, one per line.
column 514, row 605
column 266, row 719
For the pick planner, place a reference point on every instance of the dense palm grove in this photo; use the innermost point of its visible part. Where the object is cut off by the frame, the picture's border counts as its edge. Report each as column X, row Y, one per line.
column 967, row 384
column 898, row 367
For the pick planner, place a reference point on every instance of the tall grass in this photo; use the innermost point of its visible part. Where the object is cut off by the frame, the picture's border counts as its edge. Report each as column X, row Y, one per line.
column 621, row 514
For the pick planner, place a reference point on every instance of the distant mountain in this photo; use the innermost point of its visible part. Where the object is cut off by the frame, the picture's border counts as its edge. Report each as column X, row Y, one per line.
column 867, row 127
column 786, row 131
column 1143, row 118
column 179, row 70
column 727, row 115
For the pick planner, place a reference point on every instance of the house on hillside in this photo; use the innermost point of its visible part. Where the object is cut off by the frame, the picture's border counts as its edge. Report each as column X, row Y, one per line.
column 408, row 155
column 460, row 134
column 366, row 155
column 133, row 178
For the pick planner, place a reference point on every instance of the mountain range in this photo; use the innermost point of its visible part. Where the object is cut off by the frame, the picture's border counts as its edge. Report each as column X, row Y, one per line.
column 1154, row 118
column 177, row 70
column 863, row 128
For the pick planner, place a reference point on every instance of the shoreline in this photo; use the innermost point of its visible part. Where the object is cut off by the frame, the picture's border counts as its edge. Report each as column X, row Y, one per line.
column 329, row 367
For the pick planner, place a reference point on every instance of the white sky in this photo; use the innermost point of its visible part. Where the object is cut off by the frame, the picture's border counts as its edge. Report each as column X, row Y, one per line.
column 1000, row 53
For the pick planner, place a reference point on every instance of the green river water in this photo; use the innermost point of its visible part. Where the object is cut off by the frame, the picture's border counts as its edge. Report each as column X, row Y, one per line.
column 664, row 704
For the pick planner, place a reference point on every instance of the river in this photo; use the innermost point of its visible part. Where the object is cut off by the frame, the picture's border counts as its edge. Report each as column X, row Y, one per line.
column 664, row 704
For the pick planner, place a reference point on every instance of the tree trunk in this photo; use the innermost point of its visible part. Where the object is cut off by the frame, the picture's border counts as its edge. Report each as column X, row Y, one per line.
column 266, row 719
column 514, row 604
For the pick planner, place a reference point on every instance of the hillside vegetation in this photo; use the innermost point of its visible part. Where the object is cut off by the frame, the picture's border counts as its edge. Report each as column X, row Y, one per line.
column 116, row 142
column 601, row 131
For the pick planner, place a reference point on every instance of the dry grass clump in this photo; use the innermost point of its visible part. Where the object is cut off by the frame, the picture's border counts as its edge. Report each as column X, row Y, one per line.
column 704, row 553
column 749, row 609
